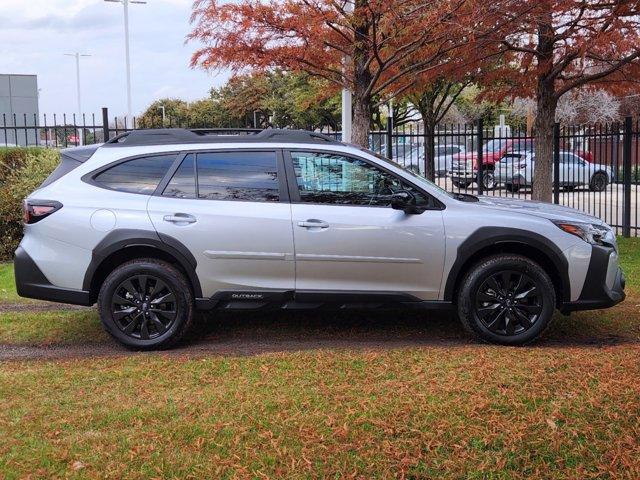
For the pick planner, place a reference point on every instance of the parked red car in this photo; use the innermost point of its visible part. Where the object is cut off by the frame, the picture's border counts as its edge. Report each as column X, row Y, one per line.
column 464, row 167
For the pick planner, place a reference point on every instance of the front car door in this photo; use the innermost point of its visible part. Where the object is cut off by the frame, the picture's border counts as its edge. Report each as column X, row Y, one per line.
column 348, row 238
column 231, row 210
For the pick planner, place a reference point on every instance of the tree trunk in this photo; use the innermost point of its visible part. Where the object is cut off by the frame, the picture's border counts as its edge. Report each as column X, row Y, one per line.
column 361, row 120
column 361, row 77
column 429, row 148
column 545, row 119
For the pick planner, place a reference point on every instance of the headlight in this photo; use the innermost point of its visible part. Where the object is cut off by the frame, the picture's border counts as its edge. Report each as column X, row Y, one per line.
column 590, row 233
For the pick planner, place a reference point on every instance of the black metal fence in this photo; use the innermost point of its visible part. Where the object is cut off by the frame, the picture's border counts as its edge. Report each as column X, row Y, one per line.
column 596, row 167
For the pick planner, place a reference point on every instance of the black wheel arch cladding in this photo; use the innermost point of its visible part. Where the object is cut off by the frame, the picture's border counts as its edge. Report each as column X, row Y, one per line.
column 120, row 239
column 493, row 237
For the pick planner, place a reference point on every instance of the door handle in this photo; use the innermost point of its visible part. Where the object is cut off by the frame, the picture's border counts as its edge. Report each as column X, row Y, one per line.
column 180, row 218
column 313, row 223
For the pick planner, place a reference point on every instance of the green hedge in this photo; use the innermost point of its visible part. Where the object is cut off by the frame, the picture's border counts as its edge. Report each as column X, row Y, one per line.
column 21, row 171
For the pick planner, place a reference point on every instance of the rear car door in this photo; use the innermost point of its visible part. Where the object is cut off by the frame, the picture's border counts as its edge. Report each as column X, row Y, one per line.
column 231, row 210
column 347, row 236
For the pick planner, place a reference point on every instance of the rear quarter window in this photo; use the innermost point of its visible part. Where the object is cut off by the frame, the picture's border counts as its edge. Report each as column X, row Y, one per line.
column 140, row 175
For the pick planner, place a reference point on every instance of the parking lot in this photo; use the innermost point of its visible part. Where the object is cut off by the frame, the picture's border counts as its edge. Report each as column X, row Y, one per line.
column 607, row 205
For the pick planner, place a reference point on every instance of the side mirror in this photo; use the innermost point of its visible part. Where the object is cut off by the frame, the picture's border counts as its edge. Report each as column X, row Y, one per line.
column 405, row 201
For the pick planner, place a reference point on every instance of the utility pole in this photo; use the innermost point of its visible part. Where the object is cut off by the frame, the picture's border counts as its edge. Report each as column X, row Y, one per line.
column 77, row 56
column 126, row 3
column 347, row 115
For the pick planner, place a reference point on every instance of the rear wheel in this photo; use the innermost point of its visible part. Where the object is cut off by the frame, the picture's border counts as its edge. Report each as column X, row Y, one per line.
column 506, row 299
column 598, row 182
column 511, row 187
column 146, row 304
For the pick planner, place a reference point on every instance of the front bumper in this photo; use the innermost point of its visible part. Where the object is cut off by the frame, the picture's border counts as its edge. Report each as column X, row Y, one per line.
column 462, row 175
column 604, row 284
column 32, row 283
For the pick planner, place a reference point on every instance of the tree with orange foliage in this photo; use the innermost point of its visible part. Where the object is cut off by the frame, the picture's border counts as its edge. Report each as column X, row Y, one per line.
column 388, row 42
column 556, row 46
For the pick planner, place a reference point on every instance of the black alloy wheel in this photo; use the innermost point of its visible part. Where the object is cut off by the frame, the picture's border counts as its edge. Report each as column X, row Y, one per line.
column 506, row 299
column 508, row 303
column 144, row 307
column 146, row 304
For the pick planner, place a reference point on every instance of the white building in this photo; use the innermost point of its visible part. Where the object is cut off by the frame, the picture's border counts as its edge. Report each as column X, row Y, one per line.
column 19, row 111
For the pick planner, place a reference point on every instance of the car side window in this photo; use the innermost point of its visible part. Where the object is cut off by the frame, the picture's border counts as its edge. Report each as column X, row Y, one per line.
column 569, row 158
column 334, row 179
column 140, row 175
column 247, row 176
column 183, row 182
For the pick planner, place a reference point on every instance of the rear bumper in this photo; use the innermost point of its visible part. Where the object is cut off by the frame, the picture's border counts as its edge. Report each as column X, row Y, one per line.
column 604, row 284
column 32, row 283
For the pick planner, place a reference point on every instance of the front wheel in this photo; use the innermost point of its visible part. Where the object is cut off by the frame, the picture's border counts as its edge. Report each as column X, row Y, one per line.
column 146, row 304
column 460, row 184
column 598, row 182
column 506, row 299
column 488, row 180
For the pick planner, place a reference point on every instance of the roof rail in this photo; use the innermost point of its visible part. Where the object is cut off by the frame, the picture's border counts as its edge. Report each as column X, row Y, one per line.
column 168, row 136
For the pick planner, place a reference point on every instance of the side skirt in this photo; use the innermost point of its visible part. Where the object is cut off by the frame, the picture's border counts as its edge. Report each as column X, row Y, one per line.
column 311, row 300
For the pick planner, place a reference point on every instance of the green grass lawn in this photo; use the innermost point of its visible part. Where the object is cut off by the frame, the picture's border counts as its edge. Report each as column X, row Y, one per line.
column 565, row 408
column 8, row 292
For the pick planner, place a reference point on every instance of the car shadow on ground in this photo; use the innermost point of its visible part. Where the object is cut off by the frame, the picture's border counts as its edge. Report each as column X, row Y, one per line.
column 286, row 330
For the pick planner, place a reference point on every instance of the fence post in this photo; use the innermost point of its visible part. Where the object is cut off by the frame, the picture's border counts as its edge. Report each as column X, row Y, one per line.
column 389, row 137
column 480, row 147
column 105, row 123
column 626, row 174
column 556, row 163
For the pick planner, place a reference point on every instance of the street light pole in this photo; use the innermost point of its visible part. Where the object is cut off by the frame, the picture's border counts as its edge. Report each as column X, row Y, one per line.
column 161, row 107
column 126, row 3
column 77, row 56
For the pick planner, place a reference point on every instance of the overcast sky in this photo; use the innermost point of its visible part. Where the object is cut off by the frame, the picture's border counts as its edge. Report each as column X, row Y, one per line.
column 34, row 35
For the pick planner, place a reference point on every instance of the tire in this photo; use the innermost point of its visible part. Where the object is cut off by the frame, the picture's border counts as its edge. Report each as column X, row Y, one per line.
column 477, row 296
column 488, row 180
column 460, row 185
column 138, row 321
column 512, row 187
column 598, row 182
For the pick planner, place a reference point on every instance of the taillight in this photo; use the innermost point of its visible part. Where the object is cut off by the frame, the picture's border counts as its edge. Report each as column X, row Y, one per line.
column 35, row 210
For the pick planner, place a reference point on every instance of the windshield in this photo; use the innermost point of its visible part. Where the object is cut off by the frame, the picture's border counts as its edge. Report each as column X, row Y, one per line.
column 415, row 175
column 495, row 145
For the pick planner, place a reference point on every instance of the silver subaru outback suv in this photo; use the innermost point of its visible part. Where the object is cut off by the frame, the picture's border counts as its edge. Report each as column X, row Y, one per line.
column 154, row 225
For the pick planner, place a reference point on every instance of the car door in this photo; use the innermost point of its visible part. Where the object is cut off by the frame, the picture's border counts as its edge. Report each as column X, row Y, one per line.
column 569, row 169
column 231, row 210
column 580, row 170
column 348, row 238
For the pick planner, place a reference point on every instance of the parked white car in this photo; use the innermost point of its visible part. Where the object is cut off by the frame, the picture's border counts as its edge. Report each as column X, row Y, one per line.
column 413, row 158
column 516, row 170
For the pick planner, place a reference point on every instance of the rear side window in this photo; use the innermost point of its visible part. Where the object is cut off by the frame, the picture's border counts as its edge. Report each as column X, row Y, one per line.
column 141, row 175
column 247, row 176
